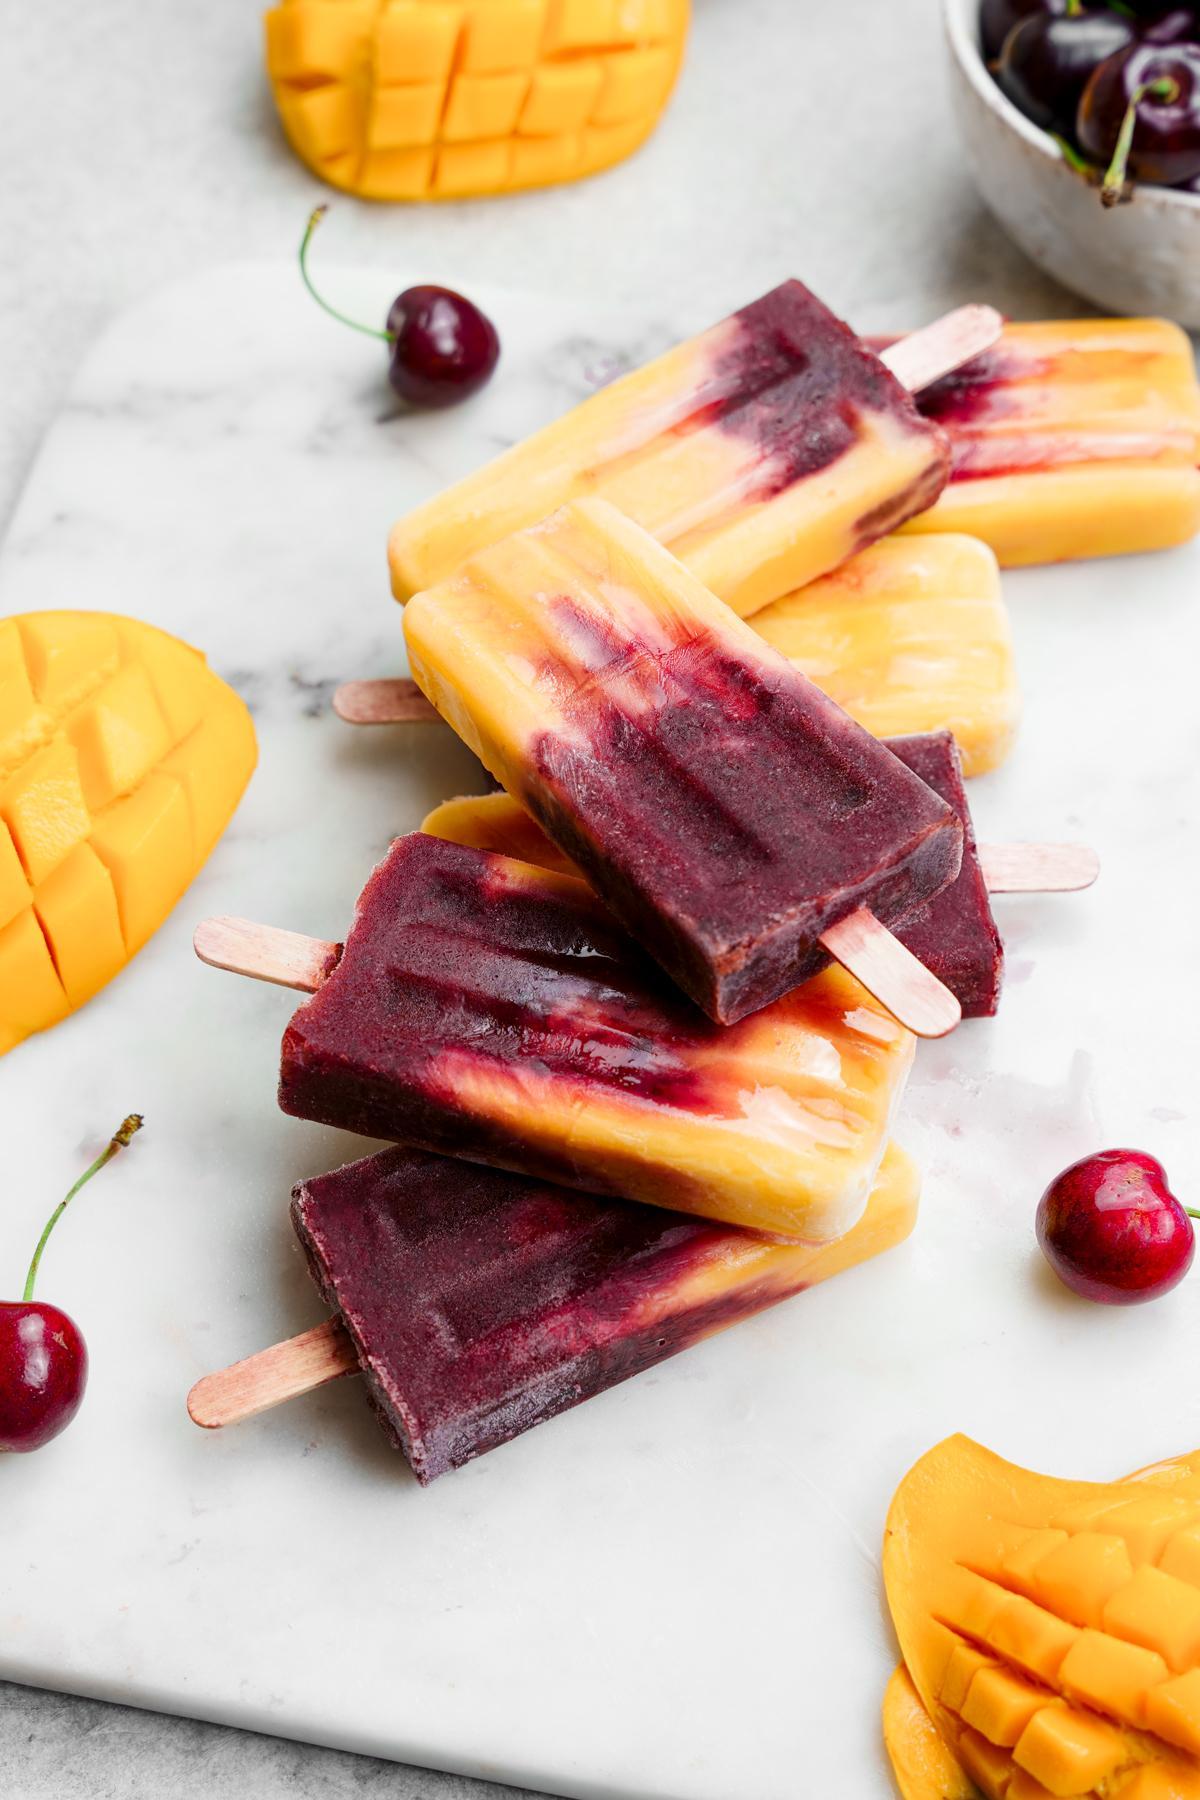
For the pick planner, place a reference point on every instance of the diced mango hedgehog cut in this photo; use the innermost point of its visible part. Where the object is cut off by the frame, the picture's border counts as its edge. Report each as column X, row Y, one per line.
column 439, row 99
column 1050, row 1631
column 122, row 758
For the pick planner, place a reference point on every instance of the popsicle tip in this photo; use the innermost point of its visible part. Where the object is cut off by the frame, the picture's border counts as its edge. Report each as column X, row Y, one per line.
column 395, row 702
column 200, row 1406
column 931, row 1011
column 264, row 952
column 888, row 969
column 1086, row 863
column 347, row 702
column 214, row 938
column 269, row 1377
column 1038, row 868
column 925, row 356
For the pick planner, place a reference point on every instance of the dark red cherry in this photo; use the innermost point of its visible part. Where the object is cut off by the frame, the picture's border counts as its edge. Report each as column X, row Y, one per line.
column 1140, row 115
column 43, row 1373
column 43, row 1358
column 1046, row 62
column 443, row 347
column 997, row 18
column 1113, row 1231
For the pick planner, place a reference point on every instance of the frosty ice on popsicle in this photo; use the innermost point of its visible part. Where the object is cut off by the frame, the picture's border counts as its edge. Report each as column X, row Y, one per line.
column 487, row 1009
column 729, row 813
column 763, row 452
column 478, row 1304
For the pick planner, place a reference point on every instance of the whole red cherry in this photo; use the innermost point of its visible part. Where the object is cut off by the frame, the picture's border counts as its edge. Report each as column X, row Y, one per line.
column 43, row 1358
column 1112, row 1230
column 997, row 18
column 443, row 348
column 1046, row 63
column 1140, row 115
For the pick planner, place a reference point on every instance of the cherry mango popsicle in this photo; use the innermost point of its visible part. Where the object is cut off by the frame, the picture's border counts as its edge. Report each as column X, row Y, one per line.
column 481, row 1303
column 763, row 453
column 493, row 1011
column 954, row 934
column 1072, row 438
column 726, row 810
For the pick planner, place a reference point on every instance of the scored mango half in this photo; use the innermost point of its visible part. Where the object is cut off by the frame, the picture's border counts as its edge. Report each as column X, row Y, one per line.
column 1050, row 1631
column 122, row 758
column 438, row 99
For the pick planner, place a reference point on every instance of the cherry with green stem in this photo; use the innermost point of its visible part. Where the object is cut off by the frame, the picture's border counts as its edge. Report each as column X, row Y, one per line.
column 43, row 1356
column 443, row 348
column 1139, row 117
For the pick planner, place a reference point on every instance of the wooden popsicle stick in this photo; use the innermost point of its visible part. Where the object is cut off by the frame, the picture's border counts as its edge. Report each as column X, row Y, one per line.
column 1038, row 868
column 910, row 991
column 889, row 970
column 271, row 1376
column 398, row 702
column 924, row 356
column 265, row 953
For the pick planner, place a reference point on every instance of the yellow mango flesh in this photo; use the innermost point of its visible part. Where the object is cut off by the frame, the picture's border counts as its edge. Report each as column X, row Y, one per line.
column 910, row 635
column 1081, row 438
column 439, row 99
column 1050, row 1631
column 122, row 757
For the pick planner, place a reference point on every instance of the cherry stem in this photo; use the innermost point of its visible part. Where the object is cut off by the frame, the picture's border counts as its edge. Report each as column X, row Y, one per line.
column 1163, row 87
column 1071, row 156
column 117, row 1142
column 314, row 219
column 1191, row 1212
column 1074, row 9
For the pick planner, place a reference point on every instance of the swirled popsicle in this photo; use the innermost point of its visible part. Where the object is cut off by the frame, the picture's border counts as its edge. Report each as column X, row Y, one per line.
column 763, row 453
column 727, row 811
column 478, row 1304
column 954, row 935
column 490, row 1010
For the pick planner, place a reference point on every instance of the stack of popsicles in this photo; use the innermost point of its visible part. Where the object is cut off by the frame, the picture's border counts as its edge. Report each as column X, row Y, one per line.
column 618, row 982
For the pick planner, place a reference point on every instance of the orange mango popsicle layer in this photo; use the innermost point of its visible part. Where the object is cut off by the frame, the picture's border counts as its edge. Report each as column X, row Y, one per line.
column 1072, row 439
column 489, row 1010
column 724, row 808
column 910, row 636
column 763, row 453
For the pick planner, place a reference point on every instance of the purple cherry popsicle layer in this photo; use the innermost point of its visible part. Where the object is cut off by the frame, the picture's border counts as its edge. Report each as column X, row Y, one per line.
column 496, row 1012
column 955, row 933
column 763, row 453
column 480, row 1304
column 726, row 810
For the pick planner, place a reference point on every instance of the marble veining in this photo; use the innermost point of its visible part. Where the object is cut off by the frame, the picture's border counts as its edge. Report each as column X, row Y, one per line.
column 670, row 1593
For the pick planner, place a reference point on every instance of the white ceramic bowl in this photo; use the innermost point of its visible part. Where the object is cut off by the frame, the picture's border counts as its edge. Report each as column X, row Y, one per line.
column 1141, row 257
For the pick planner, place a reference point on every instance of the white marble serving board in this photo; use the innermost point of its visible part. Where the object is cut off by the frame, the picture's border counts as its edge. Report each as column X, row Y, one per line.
column 671, row 1593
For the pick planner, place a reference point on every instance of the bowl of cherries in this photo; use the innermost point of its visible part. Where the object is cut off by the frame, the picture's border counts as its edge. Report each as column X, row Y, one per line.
column 1081, row 121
